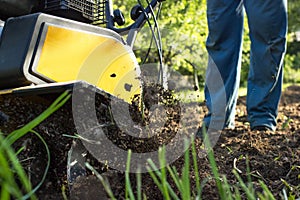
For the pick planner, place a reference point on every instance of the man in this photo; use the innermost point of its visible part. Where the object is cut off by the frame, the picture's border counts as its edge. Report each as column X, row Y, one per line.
column 267, row 21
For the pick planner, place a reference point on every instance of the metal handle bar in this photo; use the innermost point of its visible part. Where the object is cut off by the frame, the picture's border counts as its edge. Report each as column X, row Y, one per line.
column 133, row 28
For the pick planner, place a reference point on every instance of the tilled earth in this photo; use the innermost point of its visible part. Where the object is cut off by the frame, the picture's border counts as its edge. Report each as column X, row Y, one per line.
column 273, row 158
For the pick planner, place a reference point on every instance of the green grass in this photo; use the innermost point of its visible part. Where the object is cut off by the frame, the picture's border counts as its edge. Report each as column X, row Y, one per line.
column 183, row 184
column 14, row 181
column 183, row 189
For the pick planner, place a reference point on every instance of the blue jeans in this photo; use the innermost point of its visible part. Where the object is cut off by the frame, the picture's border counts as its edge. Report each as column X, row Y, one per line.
column 267, row 21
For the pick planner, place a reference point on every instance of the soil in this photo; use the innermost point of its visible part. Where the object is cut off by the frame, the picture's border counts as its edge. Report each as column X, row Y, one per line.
column 273, row 158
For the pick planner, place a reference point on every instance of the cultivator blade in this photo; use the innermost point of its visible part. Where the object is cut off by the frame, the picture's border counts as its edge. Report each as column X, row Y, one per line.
column 41, row 48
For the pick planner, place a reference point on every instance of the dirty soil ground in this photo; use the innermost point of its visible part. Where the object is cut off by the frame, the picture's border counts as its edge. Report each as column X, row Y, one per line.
column 273, row 158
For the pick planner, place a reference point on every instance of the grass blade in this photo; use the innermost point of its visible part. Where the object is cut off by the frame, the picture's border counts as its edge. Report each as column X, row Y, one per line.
column 11, row 156
column 173, row 172
column 196, row 169
column 163, row 174
column 248, row 191
column 46, row 169
column 249, row 179
column 186, row 195
column 237, row 194
column 226, row 187
column 7, row 177
column 157, row 175
column 104, row 183
column 4, row 192
column 128, row 187
column 213, row 165
column 154, row 178
column 60, row 101
column 266, row 190
column 139, row 184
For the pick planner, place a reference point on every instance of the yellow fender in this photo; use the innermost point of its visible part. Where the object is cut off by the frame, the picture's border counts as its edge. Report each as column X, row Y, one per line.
column 69, row 54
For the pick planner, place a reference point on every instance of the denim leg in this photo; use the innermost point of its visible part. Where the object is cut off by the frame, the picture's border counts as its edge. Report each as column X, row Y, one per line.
column 225, row 23
column 268, row 26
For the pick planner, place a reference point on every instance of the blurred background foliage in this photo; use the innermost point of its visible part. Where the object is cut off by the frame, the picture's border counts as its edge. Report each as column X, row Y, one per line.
column 183, row 28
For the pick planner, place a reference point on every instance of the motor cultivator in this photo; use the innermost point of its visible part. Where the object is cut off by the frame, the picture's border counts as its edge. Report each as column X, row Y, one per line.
column 50, row 46
column 42, row 48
